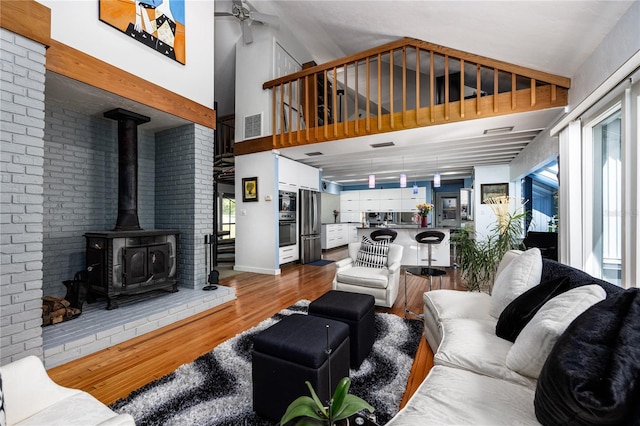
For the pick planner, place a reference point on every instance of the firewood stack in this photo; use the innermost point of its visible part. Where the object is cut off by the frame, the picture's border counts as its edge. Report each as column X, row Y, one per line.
column 55, row 310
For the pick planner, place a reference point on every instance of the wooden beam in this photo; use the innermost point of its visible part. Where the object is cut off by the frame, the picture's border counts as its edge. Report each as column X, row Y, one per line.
column 27, row 18
column 72, row 63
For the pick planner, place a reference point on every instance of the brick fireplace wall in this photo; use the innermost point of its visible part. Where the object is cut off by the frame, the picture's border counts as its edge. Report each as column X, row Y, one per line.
column 21, row 214
column 59, row 180
column 184, row 195
column 81, row 187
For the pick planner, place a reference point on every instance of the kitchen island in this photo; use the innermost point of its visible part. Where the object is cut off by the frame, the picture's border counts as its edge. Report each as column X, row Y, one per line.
column 414, row 253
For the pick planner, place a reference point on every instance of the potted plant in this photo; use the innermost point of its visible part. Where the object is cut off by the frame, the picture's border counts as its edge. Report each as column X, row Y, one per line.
column 310, row 411
column 479, row 258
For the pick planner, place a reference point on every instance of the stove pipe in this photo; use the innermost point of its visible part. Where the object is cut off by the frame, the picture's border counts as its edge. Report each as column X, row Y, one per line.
column 127, row 167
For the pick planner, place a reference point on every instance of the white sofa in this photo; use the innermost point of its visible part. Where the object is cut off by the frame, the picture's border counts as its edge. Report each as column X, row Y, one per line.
column 471, row 382
column 381, row 283
column 32, row 398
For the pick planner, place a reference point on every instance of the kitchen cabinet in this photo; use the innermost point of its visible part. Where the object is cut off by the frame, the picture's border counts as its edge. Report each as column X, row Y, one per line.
column 352, row 233
column 308, row 177
column 379, row 200
column 288, row 254
column 293, row 175
column 334, row 235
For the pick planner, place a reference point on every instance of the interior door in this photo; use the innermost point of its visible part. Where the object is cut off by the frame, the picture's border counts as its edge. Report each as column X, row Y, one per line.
column 447, row 210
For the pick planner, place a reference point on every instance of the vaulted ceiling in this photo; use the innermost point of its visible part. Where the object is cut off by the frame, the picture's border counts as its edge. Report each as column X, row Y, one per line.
column 551, row 36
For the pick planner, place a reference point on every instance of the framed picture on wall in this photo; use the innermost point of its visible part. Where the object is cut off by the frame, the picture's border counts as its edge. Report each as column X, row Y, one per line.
column 250, row 189
column 159, row 25
column 492, row 190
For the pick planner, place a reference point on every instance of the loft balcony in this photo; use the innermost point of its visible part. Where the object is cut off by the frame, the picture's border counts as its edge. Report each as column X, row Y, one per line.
column 401, row 85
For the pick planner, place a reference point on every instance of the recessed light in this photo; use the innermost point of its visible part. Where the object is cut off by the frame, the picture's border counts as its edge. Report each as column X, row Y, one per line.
column 382, row 144
column 498, row 130
column 312, row 154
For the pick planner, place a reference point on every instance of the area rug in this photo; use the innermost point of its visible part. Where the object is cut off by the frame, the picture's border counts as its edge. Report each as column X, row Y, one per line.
column 216, row 388
column 321, row 262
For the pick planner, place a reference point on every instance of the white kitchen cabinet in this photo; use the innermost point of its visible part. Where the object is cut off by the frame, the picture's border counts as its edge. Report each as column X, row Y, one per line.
column 334, row 235
column 410, row 200
column 287, row 172
column 292, row 174
column 289, row 254
column 390, row 199
column 379, row 200
column 352, row 232
column 309, row 177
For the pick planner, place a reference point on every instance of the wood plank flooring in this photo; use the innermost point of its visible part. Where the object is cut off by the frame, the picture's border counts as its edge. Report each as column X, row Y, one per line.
column 115, row 372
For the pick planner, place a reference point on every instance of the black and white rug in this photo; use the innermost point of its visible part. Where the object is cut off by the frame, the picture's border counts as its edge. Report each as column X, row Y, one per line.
column 216, row 388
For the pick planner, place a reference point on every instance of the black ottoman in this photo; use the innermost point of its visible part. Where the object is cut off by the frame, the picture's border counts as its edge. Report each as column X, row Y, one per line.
column 292, row 351
column 354, row 309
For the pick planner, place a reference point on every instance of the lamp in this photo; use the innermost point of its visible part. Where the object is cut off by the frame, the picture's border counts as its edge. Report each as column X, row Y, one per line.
column 436, row 180
column 403, row 177
column 372, row 177
column 415, row 189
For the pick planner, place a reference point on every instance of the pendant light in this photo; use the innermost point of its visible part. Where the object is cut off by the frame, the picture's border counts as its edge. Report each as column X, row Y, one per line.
column 415, row 188
column 436, row 180
column 403, row 177
column 372, row 177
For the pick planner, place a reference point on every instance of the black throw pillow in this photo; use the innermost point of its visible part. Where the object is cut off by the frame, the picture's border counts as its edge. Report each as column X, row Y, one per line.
column 592, row 376
column 521, row 310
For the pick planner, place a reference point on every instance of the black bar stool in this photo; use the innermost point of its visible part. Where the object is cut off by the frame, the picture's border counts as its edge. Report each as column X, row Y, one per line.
column 430, row 238
column 383, row 234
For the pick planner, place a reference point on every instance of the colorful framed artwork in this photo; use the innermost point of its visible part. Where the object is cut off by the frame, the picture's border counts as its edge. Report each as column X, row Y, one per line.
column 159, row 24
column 492, row 190
column 250, row 189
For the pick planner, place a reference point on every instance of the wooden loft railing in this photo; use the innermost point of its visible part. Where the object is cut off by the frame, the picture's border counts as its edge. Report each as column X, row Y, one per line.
column 401, row 85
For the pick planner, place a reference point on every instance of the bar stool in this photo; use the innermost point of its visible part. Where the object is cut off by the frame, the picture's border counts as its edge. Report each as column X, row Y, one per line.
column 384, row 234
column 430, row 238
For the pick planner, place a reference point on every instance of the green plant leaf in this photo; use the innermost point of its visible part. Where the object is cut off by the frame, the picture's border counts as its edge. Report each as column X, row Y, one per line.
column 303, row 406
column 338, row 396
column 351, row 405
column 319, row 403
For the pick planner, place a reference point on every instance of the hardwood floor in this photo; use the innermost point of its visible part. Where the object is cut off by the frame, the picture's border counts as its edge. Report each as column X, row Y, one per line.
column 115, row 372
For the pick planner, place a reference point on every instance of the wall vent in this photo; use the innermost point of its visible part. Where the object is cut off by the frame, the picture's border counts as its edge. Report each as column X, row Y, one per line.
column 253, row 126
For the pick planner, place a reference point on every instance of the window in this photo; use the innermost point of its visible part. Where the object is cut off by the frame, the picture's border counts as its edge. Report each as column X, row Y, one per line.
column 607, row 196
column 229, row 215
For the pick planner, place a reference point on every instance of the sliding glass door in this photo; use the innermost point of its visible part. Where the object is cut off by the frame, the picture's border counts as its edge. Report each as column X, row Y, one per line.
column 607, row 196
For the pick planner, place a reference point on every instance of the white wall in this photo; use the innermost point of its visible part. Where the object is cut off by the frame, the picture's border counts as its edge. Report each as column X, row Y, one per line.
column 256, row 222
column 76, row 23
column 484, row 217
column 255, row 65
column 617, row 47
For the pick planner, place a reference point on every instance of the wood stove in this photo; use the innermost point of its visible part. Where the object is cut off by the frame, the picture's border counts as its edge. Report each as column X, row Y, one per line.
column 129, row 259
column 131, row 262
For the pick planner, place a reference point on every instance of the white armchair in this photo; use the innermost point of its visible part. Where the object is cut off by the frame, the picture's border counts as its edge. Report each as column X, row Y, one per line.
column 381, row 283
column 32, row 398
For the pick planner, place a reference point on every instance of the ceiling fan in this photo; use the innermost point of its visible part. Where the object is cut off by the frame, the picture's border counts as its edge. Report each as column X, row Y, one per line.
column 241, row 11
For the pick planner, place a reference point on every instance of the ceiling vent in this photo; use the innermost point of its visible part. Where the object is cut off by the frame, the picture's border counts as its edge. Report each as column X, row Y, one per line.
column 253, row 126
column 506, row 129
column 313, row 154
column 382, row 144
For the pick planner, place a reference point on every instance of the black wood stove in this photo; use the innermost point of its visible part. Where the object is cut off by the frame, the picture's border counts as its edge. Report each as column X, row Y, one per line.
column 130, row 260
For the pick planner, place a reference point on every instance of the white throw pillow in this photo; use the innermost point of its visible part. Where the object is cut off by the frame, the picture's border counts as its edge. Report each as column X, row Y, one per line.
column 518, row 276
column 372, row 254
column 534, row 343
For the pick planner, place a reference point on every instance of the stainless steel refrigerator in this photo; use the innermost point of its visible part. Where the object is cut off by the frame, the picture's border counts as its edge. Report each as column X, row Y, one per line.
column 310, row 226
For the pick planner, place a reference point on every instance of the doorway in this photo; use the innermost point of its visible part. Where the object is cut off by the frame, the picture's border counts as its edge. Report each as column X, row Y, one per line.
column 447, row 210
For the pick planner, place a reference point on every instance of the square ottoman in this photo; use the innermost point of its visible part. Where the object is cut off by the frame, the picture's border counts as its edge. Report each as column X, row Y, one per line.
column 354, row 309
column 291, row 352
